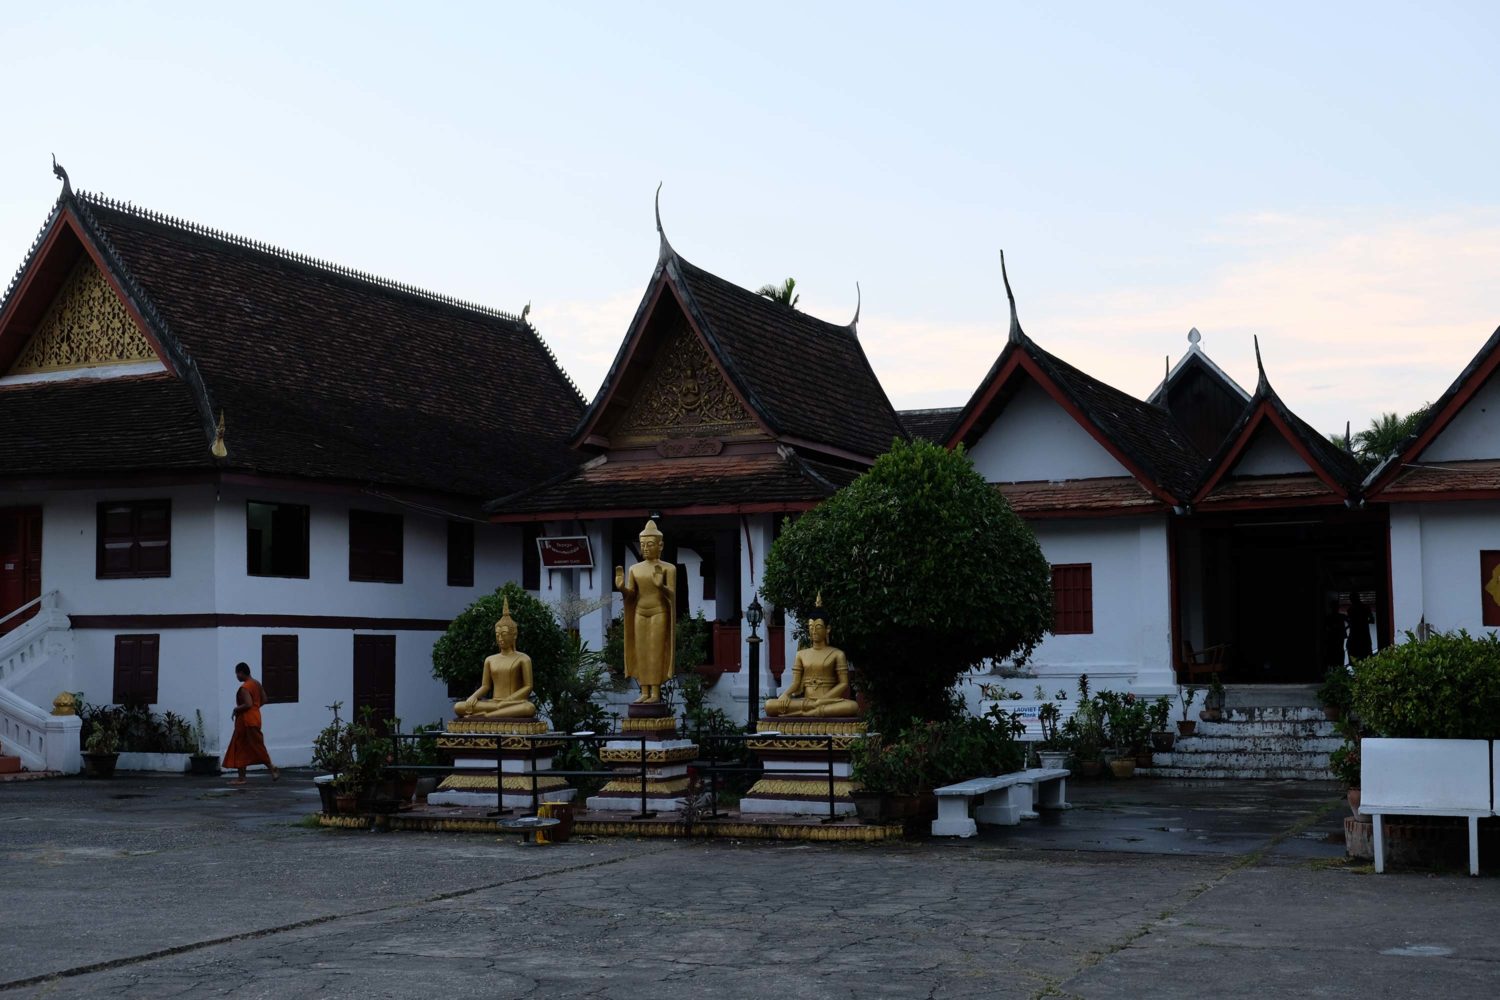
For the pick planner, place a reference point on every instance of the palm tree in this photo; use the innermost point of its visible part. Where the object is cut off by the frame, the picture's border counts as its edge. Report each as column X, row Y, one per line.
column 785, row 294
column 1382, row 438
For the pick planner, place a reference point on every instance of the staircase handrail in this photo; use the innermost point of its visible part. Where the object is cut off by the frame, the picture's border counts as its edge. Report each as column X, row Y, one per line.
column 47, row 600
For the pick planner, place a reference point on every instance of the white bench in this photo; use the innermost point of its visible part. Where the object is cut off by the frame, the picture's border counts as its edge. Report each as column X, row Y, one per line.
column 1426, row 778
column 1004, row 800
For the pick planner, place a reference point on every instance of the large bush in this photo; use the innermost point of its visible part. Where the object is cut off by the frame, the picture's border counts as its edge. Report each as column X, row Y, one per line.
column 459, row 654
column 924, row 570
column 1444, row 687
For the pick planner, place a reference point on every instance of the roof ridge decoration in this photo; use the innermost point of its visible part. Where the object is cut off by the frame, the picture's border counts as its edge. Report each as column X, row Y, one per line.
column 316, row 263
column 664, row 250
column 859, row 302
column 1016, row 334
column 1194, row 351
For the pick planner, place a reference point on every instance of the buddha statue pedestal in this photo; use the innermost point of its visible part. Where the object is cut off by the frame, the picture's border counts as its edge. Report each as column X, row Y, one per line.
column 803, row 747
column 667, row 759
column 477, row 743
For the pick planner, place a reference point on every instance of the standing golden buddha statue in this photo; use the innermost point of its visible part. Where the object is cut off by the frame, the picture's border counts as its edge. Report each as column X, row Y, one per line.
column 505, row 685
column 820, row 677
column 650, row 591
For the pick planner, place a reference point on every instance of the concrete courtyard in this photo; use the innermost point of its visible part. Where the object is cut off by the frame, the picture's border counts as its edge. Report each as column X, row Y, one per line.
column 179, row 887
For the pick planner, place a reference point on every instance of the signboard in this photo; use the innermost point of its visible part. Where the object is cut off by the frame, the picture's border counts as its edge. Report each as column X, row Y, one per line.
column 567, row 552
column 1489, row 586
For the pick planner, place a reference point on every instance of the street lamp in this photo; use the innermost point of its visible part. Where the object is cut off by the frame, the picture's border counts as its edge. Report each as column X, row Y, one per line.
column 754, row 616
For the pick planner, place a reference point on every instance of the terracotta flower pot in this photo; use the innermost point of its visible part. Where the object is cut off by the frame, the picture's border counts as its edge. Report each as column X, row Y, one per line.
column 1163, row 742
column 346, row 802
column 1090, row 768
column 1353, row 798
column 1186, row 727
column 1122, row 767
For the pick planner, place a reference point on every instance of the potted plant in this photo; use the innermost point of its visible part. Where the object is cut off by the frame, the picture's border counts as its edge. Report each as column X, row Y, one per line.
column 1186, row 696
column 1344, row 763
column 101, row 750
column 1162, row 737
column 202, row 762
column 1337, row 693
column 889, row 776
column 424, row 753
column 1213, row 701
column 333, row 751
column 1052, row 750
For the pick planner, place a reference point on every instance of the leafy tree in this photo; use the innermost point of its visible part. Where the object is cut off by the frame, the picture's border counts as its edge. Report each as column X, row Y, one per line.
column 459, row 653
column 784, row 293
column 1382, row 438
column 924, row 570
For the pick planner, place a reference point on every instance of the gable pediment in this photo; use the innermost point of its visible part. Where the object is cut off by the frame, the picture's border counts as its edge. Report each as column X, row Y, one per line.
column 87, row 326
column 682, row 392
column 1269, row 453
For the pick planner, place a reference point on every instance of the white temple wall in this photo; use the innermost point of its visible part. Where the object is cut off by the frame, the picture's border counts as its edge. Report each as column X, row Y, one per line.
column 1472, row 432
column 1269, row 454
column 1130, row 647
column 1035, row 439
column 1435, row 563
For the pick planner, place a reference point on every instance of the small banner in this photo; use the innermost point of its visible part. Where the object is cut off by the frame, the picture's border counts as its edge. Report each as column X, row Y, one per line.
column 569, row 552
column 1489, row 585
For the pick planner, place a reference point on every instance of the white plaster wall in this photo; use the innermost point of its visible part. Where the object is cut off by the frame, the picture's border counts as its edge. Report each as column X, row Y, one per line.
column 1435, row 563
column 1131, row 645
column 1472, row 433
column 1033, row 439
column 1269, row 454
column 188, row 666
column 69, row 540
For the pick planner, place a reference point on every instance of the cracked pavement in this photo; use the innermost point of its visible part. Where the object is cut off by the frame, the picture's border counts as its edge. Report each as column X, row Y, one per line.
column 175, row 887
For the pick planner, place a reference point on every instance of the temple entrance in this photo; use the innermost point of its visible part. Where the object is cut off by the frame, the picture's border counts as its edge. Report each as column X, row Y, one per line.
column 1281, row 589
column 20, row 562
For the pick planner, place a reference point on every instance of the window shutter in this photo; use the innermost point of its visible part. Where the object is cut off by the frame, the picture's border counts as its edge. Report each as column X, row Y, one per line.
column 1073, row 599
column 278, row 667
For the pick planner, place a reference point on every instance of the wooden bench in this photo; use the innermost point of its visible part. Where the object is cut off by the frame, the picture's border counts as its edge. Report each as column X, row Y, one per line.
column 1426, row 778
column 1004, row 800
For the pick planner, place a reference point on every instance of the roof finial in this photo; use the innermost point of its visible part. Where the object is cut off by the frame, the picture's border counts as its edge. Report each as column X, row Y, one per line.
column 858, row 304
column 1015, row 322
column 1194, row 336
column 1167, row 365
column 218, row 450
column 1259, row 367
column 1348, row 441
column 525, row 311
column 62, row 175
column 666, row 247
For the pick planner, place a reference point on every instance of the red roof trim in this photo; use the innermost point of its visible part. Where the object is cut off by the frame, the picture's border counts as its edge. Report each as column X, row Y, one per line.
column 49, row 263
column 1264, row 411
column 1019, row 360
column 1437, row 424
column 604, row 515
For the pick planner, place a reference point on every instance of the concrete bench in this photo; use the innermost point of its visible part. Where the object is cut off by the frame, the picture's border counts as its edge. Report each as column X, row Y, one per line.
column 1426, row 778
column 1004, row 800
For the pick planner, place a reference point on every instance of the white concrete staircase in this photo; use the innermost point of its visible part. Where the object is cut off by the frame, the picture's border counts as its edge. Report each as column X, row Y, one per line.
column 35, row 658
column 1267, row 732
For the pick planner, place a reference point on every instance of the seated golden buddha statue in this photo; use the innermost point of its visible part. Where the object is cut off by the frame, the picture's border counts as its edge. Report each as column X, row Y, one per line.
column 505, row 687
column 820, row 677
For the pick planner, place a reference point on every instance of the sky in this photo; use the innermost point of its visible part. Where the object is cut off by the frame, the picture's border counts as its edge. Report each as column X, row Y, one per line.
column 1321, row 176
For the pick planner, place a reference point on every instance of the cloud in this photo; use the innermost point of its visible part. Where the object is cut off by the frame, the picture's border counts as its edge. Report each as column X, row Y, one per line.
column 1357, row 314
column 585, row 334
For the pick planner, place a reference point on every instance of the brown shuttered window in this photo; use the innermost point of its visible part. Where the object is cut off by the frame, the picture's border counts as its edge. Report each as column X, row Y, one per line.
column 1073, row 598
column 137, row 658
column 134, row 539
column 460, row 554
column 374, row 546
column 276, row 539
column 278, row 667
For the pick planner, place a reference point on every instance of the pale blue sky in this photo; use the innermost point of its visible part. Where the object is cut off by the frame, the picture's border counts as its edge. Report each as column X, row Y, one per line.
column 1320, row 174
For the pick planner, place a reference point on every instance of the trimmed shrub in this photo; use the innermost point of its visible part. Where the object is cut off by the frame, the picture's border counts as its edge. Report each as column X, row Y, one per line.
column 458, row 655
column 1444, row 687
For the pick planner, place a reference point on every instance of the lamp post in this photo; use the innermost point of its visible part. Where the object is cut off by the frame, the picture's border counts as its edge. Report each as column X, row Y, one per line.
column 754, row 615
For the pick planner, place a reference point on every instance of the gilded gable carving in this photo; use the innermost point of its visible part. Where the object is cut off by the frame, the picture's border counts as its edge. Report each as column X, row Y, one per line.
column 684, row 393
column 86, row 326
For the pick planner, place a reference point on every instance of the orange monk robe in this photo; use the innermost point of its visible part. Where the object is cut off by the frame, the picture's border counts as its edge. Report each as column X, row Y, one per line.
column 247, row 746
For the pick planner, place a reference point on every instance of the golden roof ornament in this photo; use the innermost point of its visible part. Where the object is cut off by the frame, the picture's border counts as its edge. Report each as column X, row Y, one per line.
column 218, row 450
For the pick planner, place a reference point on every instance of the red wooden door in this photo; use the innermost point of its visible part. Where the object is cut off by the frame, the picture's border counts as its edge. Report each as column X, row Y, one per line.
column 20, row 561
column 375, row 676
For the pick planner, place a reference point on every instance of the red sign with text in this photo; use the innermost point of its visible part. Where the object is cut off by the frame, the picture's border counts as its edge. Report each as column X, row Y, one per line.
column 570, row 552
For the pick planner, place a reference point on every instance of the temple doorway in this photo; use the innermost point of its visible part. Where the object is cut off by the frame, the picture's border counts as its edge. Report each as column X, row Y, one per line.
column 20, row 562
column 1280, row 589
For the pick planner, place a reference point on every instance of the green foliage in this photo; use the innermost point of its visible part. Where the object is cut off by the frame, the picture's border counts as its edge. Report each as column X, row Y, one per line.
column 1160, row 712
column 1337, row 691
column 102, row 739
column 458, row 655
column 613, row 652
column 785, row 293
column 137, row 729
column 580, row 679
column 1344, row 763
column 691, row 635
column 1383, row 437
column 929, row 754
column 1446, row 686
column 925, row 572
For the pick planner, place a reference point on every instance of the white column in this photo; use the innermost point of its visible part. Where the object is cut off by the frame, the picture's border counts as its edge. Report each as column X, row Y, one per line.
column 1154, row 610
column 597, row 585
column 1408, row 582
column 755, row 541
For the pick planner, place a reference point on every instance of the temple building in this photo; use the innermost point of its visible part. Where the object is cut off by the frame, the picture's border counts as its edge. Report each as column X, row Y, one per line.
column 214, row 450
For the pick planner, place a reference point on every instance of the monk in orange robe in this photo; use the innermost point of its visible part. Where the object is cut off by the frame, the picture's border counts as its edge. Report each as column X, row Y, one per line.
column 247, row 746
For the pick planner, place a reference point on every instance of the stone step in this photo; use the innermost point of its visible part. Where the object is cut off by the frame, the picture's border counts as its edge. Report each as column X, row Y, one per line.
column 1245, row 763
column 1263, row 742
column 1294, row 729
column 1261, row 713
column 1242, row 773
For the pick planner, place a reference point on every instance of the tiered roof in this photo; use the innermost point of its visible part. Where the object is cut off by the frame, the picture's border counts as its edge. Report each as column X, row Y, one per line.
column 319, row 372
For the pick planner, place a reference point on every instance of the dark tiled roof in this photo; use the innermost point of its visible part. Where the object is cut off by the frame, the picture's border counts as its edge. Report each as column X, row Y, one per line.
column 725, row 481
column 92, row 426
column 1421, row 482
column 325, row 373
column 929, row 425
column 1304, row 485
column 1123, row 493
column 809, row 379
